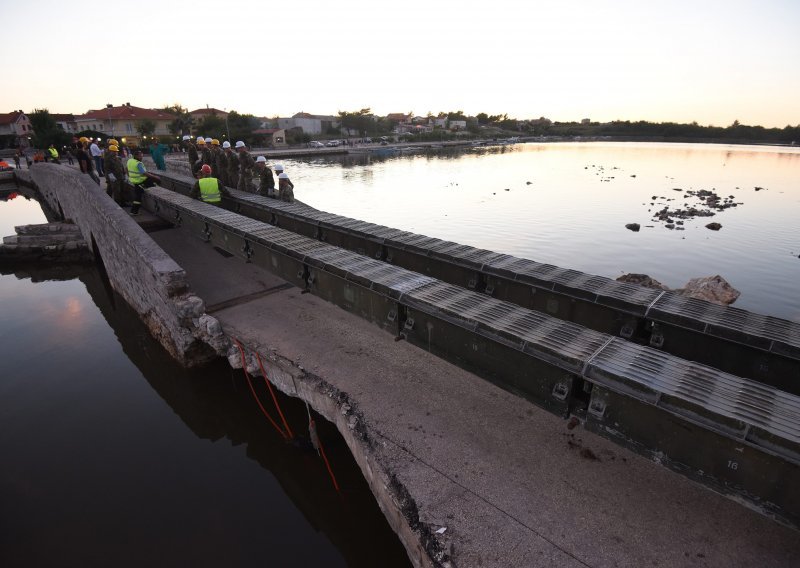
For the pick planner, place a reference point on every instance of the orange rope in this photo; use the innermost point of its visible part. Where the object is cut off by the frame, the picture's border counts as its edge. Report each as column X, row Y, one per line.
column 274, row 398
column 250, row 383
column 317, row 443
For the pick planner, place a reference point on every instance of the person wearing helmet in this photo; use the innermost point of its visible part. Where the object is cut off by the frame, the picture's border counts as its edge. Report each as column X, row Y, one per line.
column 233, row 165
column 115, row 173
column 107, row 157
column 139, row 178
column 285, row 188
column 215, row 153
column 201, row 144
column 246, row 165
column 51, row 150
column 208, row 189
column 84, row 159
column 191, row 152
column 205, row 152
column 221, row 159
column 266, row 181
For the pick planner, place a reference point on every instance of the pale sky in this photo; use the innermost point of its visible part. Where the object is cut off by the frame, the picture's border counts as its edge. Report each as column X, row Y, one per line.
column 710, row 61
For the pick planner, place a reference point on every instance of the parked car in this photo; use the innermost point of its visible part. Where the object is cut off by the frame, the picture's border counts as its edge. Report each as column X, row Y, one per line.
column 316, row 144
column 367, row 140
column 333, row 143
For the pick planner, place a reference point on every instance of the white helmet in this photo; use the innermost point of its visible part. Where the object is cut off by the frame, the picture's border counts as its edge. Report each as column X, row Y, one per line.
column 226, row 144
column 261, row 159
column 186, row 137
column 240, row 144
column 208, row 140
column 283, row 176
column 278, row 167
column 201, row 138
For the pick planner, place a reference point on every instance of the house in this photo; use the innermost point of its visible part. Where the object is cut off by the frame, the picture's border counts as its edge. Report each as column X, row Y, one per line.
column 458, row 125
column 121, row 122
column 272, row 137
column 16, row 124
column 199, row 114
column 65, row 122
column 310, row 123
column 398, row 117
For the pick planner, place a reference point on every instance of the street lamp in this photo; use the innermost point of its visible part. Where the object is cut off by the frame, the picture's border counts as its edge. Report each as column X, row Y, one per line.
column 111, row 122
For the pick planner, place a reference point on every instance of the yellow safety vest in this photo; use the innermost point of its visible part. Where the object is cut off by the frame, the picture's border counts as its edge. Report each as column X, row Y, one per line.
column 53, row 153
column 209, row 190
column 133, row 172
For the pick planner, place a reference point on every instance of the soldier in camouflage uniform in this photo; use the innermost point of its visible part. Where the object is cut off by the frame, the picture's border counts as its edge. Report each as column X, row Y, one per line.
column 115, row 174
column 107, row 155
column 222, row 163
column 206, row 156
column 246, row 165
column 266, row 184
column 191, row 151
column 285, row 188
column 233, row 166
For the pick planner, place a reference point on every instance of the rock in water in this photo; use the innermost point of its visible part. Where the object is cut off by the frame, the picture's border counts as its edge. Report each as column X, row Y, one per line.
column 714, row 226
column 714, row 289
column 633, row 227
column 642, row 280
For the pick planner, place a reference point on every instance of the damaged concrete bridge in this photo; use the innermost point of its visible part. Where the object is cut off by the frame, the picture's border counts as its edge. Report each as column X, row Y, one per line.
column 503, row 412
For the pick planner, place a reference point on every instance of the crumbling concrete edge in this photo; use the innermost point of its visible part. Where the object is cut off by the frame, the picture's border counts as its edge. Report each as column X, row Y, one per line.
column 423, row 546
column 148, row 279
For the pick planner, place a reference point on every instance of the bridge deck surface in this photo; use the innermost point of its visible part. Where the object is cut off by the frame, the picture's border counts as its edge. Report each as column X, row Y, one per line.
column 512, row 485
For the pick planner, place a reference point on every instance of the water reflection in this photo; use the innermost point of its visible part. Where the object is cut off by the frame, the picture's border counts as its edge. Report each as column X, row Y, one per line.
column 94, row 463
column 567, row 204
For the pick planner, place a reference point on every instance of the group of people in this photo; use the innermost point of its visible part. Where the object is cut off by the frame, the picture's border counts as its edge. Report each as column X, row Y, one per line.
column 116, row 169
column 233, row 167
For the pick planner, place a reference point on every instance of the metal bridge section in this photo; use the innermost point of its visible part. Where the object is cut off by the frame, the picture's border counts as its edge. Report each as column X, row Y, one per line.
column 763, row 348
column 738, row 435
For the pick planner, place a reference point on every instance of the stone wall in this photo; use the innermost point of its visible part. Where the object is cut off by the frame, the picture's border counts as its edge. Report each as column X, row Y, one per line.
column 149, row 280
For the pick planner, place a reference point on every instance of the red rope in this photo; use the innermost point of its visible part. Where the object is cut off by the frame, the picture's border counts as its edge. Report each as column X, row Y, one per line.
column 274, row 398
column 312, row 429
column 250, row 383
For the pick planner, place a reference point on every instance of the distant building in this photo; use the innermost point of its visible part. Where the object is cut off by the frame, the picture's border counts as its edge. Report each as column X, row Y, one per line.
column 310, row 123
column 65, row 122
column 273, row 137
column 16, row 124
column 457, row 124
column 586, row 121
column 398, row 117
column 121, row 122
column 199, row 114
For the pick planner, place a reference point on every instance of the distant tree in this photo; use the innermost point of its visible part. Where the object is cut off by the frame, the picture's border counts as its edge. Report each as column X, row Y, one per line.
column 241, row 126
column 146, row 127
column 46, row 131
column 361, row 121
column 212, row 125
column 182, row 124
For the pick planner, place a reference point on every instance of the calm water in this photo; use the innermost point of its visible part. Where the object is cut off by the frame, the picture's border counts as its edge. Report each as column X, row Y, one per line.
column 581, row 196
column 112, row 455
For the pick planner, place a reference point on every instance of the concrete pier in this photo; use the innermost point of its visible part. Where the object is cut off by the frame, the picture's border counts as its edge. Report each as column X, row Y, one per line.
column 466, row 473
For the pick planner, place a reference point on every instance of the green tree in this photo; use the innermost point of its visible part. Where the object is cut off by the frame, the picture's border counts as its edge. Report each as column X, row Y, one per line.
column 46, row 131
column 362, row 120
column 241, row 126
column 213, row 126
column 183, row 122
column 146, row 127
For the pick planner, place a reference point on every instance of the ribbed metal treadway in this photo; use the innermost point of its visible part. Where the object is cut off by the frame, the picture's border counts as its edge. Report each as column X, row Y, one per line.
column 595, row 356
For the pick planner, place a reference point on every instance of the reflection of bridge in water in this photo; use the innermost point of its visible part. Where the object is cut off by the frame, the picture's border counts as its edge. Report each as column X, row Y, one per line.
column 708, row 391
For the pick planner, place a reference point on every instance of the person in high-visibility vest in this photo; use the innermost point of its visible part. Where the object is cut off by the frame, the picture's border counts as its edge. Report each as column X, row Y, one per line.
column 139, row 178
column 208, row 189
column 53, row 154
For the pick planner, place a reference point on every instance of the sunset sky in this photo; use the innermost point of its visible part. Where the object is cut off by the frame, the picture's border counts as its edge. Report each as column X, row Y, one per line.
column 708, row 61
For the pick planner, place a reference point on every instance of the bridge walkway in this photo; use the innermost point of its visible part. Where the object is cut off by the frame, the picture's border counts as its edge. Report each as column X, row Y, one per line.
column 510, row 482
